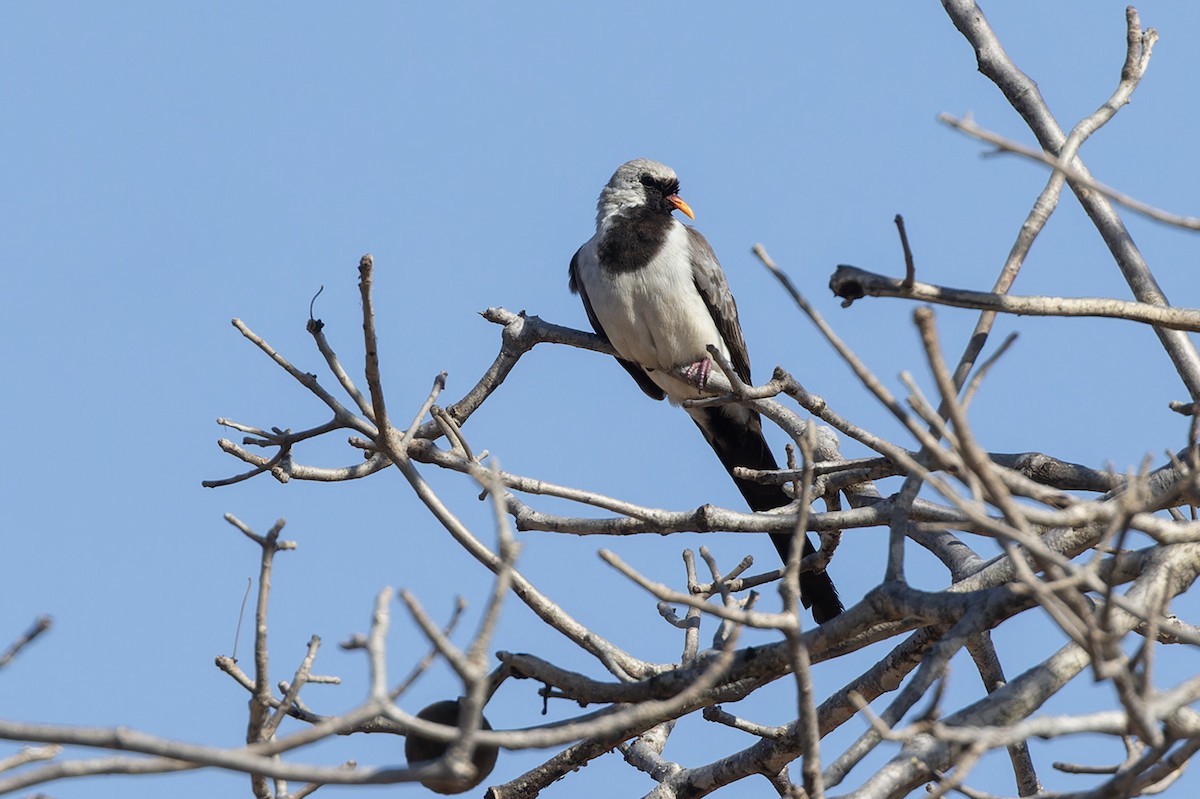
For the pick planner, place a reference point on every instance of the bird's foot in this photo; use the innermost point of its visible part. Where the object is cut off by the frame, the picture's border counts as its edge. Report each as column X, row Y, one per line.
column 698, row 373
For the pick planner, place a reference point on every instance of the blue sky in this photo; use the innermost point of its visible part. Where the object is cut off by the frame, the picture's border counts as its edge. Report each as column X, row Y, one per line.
column 168, row 168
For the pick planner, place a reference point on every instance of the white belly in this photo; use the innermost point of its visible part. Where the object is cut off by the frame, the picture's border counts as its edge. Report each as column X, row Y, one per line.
column 655, row 316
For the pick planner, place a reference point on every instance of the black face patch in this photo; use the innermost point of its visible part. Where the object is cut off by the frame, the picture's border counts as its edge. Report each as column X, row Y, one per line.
column 658, row 189
column 636, row 236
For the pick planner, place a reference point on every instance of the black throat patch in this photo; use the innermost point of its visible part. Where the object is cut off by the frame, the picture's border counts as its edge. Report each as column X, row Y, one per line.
column 634, row 239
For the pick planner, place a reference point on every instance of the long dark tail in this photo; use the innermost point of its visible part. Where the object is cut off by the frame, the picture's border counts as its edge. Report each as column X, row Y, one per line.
column 735, row 434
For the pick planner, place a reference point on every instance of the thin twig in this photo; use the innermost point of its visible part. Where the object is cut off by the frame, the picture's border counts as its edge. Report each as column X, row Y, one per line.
column 40, row 625
column 852, row 283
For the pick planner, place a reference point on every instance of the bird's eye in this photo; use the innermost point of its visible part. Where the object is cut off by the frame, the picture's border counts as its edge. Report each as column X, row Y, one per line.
column 647, row 181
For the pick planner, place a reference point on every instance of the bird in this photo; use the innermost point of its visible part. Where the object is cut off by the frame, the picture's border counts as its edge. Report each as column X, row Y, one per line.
column 419, row 749
column 653, row 289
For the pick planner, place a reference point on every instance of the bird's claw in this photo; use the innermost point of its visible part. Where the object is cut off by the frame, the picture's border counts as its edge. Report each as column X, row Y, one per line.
column 698, row 373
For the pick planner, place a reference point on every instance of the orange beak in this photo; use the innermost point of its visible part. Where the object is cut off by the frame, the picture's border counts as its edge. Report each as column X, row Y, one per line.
column 681, row 205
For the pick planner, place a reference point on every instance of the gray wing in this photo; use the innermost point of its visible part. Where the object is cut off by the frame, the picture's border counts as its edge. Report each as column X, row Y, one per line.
column 643, row 380
column 711, row 283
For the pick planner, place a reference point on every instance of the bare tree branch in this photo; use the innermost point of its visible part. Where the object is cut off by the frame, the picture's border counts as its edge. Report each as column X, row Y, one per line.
column 852, row 283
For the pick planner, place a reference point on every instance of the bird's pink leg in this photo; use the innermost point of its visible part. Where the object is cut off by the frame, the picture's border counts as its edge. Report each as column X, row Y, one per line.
column 697, row 373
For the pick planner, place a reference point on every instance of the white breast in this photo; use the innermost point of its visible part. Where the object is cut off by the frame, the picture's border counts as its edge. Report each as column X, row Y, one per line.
column 654, row 316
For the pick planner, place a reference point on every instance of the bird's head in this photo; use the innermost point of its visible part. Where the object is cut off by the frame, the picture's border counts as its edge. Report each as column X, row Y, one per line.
column 641, row 183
